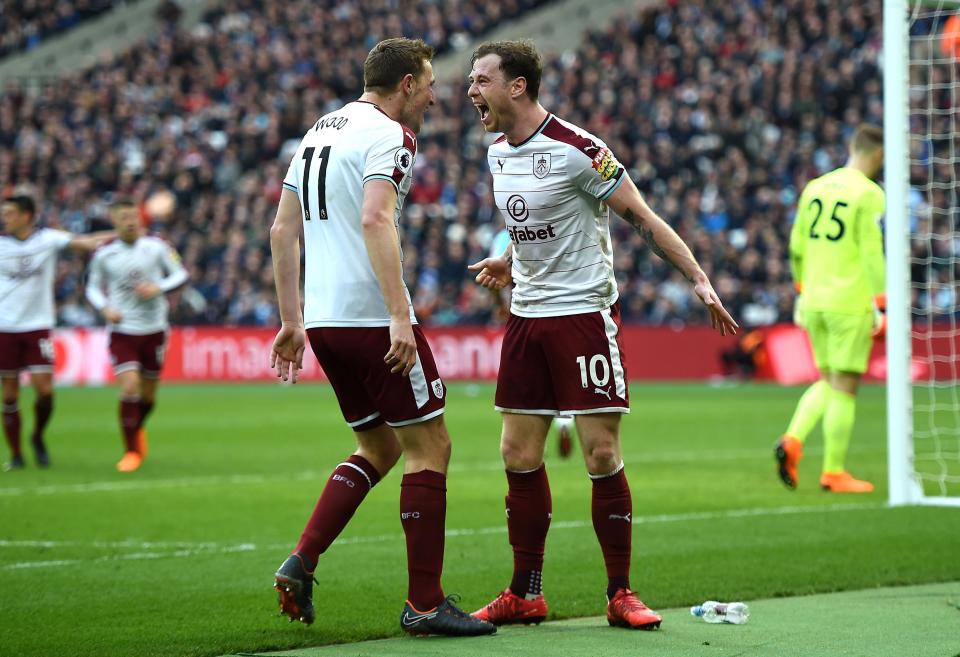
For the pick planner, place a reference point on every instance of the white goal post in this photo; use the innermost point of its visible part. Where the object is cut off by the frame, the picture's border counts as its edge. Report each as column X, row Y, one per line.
column 923, row 251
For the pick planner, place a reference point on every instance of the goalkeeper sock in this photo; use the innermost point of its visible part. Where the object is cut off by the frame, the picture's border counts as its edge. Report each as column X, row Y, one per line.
column 837, row 427
column 346, row 488
column 809, row 410
column 529, row 509
column 423, row 509
column 612, row 509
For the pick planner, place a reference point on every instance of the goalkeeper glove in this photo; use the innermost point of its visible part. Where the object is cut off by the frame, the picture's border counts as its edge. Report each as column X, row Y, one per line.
column 880, row 316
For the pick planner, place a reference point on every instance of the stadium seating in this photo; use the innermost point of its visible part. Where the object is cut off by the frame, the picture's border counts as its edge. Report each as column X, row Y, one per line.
column 25, row 23
column 721, row 111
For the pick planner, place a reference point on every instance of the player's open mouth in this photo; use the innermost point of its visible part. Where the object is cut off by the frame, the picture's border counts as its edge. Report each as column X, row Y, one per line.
column 484, row 111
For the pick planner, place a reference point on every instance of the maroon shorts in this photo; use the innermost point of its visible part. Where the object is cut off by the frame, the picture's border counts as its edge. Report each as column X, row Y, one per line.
column 369, row 394
column 30, row 350
column 138, row 352
column 570, row 365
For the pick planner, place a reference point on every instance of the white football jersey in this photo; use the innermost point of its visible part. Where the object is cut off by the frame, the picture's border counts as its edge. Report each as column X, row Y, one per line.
column 118, row 268
column 27, row 271
column 337, row 156
column 551, row 191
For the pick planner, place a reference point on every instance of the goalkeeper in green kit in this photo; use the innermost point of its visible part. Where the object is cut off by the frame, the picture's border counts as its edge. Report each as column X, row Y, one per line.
column 836, row 256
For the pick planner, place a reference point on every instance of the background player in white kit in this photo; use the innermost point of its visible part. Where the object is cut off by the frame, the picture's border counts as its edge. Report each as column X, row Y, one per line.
column 28, row 261
column 128, row 279
column 344, row 190
column 554, row 181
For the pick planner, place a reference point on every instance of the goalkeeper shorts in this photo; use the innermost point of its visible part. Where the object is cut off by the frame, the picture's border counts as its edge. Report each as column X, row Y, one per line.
column 841, row 342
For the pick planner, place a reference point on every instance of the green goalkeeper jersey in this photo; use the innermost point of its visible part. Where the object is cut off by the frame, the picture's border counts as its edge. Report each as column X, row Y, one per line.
column 836, row 246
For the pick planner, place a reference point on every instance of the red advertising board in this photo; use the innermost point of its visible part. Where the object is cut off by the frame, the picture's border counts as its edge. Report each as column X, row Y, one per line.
column 471, row 353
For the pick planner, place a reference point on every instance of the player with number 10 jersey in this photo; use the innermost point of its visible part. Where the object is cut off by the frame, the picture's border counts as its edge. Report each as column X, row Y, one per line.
column 561, row 353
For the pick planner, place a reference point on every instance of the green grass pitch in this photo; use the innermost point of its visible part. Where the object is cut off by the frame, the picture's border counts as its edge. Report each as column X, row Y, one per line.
column 177, row 559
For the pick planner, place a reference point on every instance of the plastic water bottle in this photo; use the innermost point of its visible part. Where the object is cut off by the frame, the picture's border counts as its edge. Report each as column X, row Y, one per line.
column 735, row 613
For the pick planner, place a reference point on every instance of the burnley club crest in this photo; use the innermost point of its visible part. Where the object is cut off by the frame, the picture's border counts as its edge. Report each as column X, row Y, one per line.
column 541, row 164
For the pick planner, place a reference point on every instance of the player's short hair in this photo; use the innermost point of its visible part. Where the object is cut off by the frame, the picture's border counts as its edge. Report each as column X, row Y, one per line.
column 23, row 202
column 518, row 59
column 122, row 203
column 867, row 138
column 392, row 59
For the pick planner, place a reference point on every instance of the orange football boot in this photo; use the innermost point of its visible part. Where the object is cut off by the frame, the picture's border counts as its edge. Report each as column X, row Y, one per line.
column 626, row 610
column 788, row 451
column 130, row 462
column 843, row 482
column 140, row 442
column 508, row 608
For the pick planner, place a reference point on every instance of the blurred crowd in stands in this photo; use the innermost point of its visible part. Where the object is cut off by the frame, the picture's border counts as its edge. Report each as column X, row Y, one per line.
column 720, row 111
column 25, row 23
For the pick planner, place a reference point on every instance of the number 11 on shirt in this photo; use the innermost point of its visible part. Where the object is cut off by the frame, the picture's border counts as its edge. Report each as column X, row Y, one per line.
column 321, row 182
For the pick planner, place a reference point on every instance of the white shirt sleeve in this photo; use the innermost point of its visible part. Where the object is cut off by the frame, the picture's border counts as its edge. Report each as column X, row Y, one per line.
column 176, row 273
column 94, row 291
column 391, row 156
column 290, row 180
column 59, row 238
column 598, row 176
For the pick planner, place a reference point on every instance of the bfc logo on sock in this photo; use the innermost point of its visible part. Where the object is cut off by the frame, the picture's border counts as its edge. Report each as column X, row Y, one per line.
column 348, row 482
column 408, row 515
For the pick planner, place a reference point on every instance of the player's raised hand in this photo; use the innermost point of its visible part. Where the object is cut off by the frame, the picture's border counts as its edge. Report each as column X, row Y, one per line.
column 494, row 272
column 720, row 319
column 287, row 354
column 403, row 347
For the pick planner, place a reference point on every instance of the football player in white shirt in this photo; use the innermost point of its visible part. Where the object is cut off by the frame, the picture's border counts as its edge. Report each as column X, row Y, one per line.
column 562, row 352
column 343, row 192
column 136, row 270
column 28, row 262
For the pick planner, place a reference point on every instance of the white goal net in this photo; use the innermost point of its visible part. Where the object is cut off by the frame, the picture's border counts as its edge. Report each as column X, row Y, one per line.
column 929, row 204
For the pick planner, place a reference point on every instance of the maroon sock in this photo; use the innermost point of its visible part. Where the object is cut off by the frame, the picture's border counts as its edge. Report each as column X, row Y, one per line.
column 129, row 422
column 42, row 409
column 423, row 507
column 529, row 508
column 345, row 490
column 145, row 408
column 11, row 426
column 612, row 520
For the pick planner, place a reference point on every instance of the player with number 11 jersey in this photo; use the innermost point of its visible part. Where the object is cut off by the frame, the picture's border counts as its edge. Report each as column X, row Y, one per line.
column 336, row 158
column 344, row 190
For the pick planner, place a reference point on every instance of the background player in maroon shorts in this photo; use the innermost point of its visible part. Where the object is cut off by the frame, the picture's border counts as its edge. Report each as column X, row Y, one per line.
column 344, row 190
column 135, row 270
column 554, row 182
column 28, row 260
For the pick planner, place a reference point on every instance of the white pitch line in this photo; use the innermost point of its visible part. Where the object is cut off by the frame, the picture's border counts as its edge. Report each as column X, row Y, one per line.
column 197, row 549
column 108, row 545
column 151, row 484
column 134, row 556
column 111, row 486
